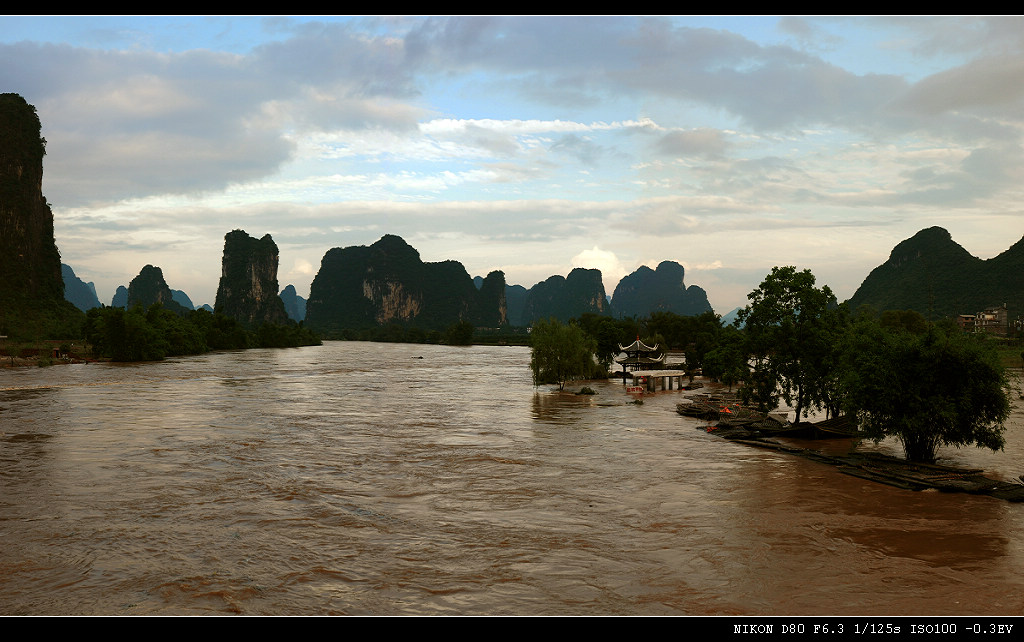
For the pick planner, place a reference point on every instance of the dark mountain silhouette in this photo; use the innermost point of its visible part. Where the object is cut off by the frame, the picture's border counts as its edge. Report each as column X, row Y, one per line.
column 149, row 287
column 182, row 299
column 566, row 297
column 248, row 282
column 294, row 304
column 120, row 299
column 32, row 302
column 387, row 282
column 932, row 274
column 77, row 291
column 515, row 299
column 646, row 291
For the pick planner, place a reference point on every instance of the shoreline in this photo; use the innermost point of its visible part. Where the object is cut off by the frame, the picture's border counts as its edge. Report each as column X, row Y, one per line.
column 889, row 470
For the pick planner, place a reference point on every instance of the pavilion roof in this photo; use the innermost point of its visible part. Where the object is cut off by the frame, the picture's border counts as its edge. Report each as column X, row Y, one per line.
column 640, row 360
column 638, row 346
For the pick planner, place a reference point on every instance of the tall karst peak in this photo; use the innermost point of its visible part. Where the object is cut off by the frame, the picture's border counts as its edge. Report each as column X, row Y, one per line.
column 248, row 290
column 663, row 289
column 31, row 287
column 564, row 298
column 149, row 287
column 387, row 282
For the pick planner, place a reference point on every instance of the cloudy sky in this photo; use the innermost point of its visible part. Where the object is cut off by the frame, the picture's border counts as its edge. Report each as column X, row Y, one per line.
column 529, row 145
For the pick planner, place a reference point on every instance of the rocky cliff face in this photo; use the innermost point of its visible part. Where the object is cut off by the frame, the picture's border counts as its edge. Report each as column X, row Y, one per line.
column 31, row 286
column 491, row 305
column 646, row 291
column 566, row 297
column 387, row 282
column 248, row 282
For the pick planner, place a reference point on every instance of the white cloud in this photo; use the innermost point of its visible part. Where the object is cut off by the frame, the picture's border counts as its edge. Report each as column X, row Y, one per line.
column 612, row 269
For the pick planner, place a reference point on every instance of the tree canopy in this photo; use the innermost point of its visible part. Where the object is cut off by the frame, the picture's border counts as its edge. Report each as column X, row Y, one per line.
column 927, row 389
column 790, row 337
column 560, row 353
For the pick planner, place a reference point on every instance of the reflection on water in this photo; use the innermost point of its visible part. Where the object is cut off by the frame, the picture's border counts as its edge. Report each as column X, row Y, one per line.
column 360, row 478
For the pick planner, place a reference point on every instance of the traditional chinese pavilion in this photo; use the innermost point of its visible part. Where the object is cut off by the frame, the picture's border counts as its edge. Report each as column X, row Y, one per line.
column 640, row 356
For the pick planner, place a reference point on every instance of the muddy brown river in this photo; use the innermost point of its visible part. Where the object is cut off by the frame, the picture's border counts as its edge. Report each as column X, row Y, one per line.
column 390, row 479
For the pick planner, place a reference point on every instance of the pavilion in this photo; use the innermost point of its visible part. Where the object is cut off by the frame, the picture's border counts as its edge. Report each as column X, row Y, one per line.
column 647, row 364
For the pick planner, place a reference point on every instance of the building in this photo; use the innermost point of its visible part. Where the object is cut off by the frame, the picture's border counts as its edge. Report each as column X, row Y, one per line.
column 994, row 320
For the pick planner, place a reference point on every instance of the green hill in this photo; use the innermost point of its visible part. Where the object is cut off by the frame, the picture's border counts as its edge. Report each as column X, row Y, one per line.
column 932, row 274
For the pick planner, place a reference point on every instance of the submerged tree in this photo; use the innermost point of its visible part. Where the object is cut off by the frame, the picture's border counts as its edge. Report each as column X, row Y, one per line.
column 790, row 337
column 926, row 389
column 560, row 353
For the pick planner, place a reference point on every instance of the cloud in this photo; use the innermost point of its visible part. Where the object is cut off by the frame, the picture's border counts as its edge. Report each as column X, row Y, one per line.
column 612, row 269
column 993, row 84
column 703, row 142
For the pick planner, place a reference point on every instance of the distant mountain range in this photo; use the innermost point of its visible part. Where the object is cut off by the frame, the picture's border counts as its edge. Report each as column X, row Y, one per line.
column 386, row 282
column 366, row 286
column 77, row 291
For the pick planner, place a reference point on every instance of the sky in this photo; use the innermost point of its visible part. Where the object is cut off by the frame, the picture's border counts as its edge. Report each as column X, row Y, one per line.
column 531, row 145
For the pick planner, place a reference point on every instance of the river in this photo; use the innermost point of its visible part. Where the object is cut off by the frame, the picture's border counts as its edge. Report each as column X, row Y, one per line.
column 385, row 479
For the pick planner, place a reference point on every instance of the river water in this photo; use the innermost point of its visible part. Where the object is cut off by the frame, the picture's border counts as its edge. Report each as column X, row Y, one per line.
column 379, row 479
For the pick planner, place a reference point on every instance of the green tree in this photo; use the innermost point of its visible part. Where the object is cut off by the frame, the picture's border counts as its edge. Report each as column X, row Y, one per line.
column 939, row 387
column 790, row 337
column 727, row 361
column 560, row 353
column 459, row 334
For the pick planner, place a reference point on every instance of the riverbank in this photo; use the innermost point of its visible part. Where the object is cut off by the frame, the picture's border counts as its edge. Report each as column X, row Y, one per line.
column 35, row 361
column 886, row 469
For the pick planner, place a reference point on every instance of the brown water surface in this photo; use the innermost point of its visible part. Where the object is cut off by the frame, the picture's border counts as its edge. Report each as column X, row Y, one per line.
column 359, row 478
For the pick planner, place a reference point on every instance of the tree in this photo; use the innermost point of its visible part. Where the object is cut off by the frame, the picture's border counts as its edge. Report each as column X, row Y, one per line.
column 789, row 335
column 939, row 387
column 560, row 353
column 459, row 334
column 727, row 362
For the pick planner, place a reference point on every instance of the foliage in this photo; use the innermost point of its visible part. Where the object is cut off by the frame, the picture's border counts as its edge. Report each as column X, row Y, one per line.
column 284, row 335
column 560, row 353
column 908, row 320
column 926, row 389
column 727, row 360
column 459, row 334
column 221, row 332
column 608, row 333
column 156, row 333
column 790, row 335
